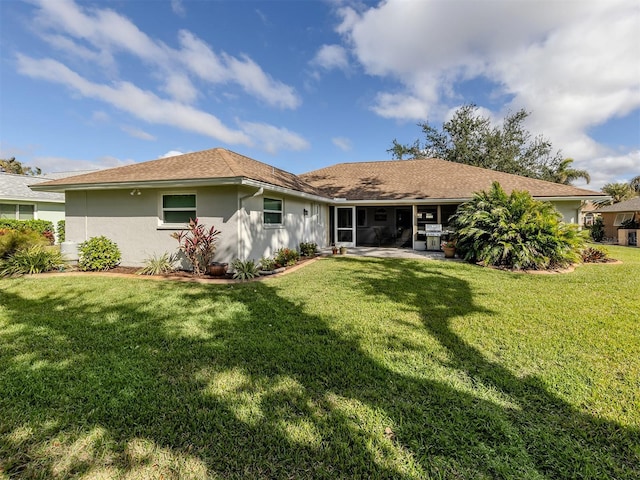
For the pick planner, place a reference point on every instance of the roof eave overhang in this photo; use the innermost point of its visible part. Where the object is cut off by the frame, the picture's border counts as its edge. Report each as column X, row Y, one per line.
column 31, row 200
column 201, row 182
column 438, row 201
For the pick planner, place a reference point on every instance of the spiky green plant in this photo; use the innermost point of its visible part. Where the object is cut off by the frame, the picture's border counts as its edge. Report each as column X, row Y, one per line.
column 35, row 259
column 515, row 231
column 244, row 270
column 158, row 265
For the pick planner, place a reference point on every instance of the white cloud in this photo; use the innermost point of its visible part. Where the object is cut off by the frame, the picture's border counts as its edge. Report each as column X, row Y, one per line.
column 131, row 99
column 108, row 33
column 50, row 164
column 272, row 139
column 172, row 153
column 573, row 65
column 331, row 57
column 100, row 117
column 178, row 8
column 342, row 143
column 137, row 133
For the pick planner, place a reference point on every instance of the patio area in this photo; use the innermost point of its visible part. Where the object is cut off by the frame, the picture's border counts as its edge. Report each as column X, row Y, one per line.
column 382, row 252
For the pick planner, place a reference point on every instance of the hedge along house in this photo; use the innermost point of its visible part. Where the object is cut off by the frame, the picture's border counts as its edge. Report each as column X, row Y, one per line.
column 409, row 203
column 259, row 208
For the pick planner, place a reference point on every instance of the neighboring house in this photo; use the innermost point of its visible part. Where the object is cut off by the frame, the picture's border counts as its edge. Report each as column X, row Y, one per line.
column 613, row 216
column 18, row 201
column 259, row 208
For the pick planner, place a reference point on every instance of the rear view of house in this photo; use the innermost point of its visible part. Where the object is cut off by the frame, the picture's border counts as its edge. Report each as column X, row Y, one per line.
column 260, row 208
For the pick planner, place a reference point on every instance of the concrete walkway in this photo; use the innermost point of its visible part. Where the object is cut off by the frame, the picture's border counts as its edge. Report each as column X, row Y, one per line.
column 390, row 253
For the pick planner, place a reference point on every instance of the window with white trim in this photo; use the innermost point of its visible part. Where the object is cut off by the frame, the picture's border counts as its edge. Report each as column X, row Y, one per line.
column 178, row 208
column 272, row 211
column 17, row 211
column 621, row 218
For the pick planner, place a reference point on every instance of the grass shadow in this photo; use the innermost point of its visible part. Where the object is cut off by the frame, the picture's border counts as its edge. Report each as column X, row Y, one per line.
column 136, row 379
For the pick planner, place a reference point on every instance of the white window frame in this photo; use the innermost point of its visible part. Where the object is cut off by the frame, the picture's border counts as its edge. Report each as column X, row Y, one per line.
column 16, row 213
column 280, row 212
column 623, row 217
column 161, row 209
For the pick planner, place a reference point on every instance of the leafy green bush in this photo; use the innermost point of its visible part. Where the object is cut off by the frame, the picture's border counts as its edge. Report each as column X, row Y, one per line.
column 308, row 249
column 198, row 244
column 244, row 270
column 155, row 265
column 60, row 228
column 98, row 253
column 12, row 241
column 40, row 226
column 35, row 259
column 515, row 231
column 597, row 230
column 285, row 257
column 267, row 264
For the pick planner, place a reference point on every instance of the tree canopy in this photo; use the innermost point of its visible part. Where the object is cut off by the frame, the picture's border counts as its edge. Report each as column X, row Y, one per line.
column 11, row 165
column 472, row 139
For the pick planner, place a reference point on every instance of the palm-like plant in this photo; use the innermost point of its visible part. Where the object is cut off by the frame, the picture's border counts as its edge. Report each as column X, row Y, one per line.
column 515, row 231
column 565, row 174
column 619, row 192
column 634, row 183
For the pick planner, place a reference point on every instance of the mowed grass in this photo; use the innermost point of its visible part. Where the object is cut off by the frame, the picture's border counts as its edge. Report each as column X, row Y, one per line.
column 348, row 368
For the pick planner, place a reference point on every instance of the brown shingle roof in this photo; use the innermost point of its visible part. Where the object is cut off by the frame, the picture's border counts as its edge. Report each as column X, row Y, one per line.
column 217, row 163
column 632, row 205
column 425, row 178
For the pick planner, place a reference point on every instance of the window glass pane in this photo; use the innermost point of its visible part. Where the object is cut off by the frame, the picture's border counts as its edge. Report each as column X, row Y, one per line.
column 345, row 236
column 272, row 217
column 7, row 211
column 345, row 218
column 362, row 217
column 26, row 212
column 179, row 216
column 178, row 201
column 272, row 204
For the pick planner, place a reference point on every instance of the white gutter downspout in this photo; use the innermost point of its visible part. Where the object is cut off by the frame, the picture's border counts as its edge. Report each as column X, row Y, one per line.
column 258, row 192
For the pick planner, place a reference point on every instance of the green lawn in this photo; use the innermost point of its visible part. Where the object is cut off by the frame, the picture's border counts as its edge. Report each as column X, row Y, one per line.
column 348, row 368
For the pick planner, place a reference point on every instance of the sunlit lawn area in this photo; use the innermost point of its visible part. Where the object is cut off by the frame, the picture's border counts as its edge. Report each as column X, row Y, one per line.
column 347, row 368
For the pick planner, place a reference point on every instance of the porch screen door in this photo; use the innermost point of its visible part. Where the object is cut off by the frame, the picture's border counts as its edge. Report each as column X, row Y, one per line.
column 345, row 226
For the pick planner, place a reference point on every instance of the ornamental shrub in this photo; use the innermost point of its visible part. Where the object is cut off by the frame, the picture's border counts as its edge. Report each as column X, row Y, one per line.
column 98, row 253
column 40, row 226
column 12, row 241
column 35, row 259
column 597, row 230
column 595, row 255
column 198, row 245
column 60, row 229
column 244, row 271
column 515, row 231
column 308, row 249
column 285, row 257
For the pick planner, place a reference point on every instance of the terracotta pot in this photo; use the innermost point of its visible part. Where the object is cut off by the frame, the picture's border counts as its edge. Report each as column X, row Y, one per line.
column 449, row 252
column 217, row 269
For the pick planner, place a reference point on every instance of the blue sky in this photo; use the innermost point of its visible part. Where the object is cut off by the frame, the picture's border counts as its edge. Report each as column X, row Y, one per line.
column 306, row 84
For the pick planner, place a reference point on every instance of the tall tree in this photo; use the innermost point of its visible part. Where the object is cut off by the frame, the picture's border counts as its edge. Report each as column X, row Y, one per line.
column 471, row 138
column 634, row 183
column 11, row 165
column 565, row 174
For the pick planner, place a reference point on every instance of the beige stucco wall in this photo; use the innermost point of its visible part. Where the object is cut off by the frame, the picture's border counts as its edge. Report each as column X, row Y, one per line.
column 570, row 210
column 258, row 240
column 132, row 221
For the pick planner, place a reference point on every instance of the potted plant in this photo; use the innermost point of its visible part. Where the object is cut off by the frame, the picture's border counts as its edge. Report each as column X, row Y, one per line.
column 449, row 248
column 217, row 269
column 334, row 249
column 343, row 250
